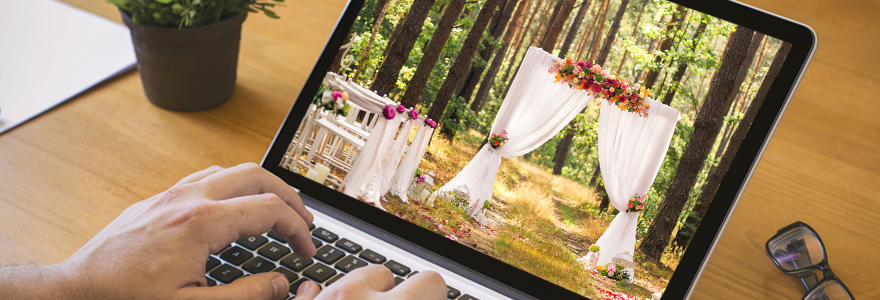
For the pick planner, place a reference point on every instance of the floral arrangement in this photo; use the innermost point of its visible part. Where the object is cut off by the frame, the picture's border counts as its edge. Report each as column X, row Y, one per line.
column 636, row 203
column 389, row 112
column 413, row 114
column 594, row 248
column 497, row 140
column 401, row 109
column 431, row 123
column 613, row 271
column 420, row 179
column 334, row 101
column 602, row 84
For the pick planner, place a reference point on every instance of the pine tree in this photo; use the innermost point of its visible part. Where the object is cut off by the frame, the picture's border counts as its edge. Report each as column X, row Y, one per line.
column 612, row 33
column 398, row 52
column 495, row 66
column 706, row 127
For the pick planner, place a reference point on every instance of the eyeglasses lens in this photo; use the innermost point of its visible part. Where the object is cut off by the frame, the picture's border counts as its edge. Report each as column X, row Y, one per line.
column 797, row 249
column 829, row 290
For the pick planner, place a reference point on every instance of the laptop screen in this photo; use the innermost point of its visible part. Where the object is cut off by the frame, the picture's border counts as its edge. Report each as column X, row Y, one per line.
column 581, row 141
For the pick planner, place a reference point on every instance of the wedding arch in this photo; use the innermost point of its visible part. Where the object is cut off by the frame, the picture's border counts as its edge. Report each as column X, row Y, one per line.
column 634, row 134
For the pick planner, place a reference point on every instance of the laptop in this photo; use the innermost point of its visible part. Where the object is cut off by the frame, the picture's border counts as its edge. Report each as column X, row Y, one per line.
column 528, row 148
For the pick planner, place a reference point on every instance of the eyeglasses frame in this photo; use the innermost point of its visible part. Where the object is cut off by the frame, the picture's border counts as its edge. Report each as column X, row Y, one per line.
column 805, row 273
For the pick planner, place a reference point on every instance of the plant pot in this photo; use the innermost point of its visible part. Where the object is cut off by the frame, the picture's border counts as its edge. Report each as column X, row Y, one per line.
column 187, row 69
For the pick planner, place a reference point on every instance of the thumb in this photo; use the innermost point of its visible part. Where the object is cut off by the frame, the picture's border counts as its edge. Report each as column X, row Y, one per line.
column 263, row 286
column 307, row 291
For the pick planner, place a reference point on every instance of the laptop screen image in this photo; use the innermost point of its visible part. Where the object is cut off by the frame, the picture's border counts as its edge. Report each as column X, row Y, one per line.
column 580, row 141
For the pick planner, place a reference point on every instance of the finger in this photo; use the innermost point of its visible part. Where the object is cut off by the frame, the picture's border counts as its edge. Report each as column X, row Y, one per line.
column 263, row 286
column 307, row 291
column 251, row 179
column 375, row 277
column 199, row 175
column 256, row 214
column 425, row 285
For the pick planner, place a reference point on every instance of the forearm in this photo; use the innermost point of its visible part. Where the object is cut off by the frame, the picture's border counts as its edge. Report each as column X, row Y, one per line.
column 37, row 282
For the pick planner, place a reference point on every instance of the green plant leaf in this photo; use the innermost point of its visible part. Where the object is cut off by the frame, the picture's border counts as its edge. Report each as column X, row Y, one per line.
column 164, row 1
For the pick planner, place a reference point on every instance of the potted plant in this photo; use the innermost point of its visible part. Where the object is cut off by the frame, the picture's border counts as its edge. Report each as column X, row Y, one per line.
column 187, row 50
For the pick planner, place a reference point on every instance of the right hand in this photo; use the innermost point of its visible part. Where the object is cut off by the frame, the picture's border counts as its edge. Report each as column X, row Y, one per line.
column 377, row 282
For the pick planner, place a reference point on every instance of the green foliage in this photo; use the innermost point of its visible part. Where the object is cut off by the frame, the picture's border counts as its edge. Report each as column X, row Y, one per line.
column 459, row 107
column 190, row 13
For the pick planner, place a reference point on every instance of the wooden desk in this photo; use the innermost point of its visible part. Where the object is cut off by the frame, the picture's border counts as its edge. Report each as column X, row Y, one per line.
column 69, row 172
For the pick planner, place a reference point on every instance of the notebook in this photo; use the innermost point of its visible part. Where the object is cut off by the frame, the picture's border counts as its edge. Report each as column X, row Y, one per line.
column 529, row 149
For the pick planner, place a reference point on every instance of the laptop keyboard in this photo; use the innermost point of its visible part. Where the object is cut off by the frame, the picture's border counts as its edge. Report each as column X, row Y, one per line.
column 335, row 257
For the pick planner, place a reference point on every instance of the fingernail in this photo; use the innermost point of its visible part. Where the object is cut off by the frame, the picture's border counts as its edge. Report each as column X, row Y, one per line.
column 281, row 287
column 305, row 288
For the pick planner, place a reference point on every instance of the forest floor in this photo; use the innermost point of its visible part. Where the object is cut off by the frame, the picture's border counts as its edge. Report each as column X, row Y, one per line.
column 538, row 222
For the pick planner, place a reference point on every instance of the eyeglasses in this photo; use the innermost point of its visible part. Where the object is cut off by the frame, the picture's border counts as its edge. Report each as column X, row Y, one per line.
column 798, row 251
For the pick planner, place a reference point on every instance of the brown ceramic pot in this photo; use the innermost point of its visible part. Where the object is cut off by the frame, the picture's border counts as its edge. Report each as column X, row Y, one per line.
column 187, row 69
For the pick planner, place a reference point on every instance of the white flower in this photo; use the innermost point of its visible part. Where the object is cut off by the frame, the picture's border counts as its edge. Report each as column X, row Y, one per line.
column 338, row 104
column 327, row 97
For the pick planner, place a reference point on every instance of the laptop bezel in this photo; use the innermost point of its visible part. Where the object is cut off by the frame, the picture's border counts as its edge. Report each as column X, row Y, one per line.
column 693, row 261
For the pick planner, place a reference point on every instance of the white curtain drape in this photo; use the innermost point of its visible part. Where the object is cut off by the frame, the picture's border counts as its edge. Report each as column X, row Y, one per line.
column 535, row 109
column 631, row 150
column 394, row 157
column 407, row 169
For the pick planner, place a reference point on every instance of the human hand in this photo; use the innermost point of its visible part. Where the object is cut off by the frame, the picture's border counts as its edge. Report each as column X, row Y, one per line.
column 376, row 282
column 157, row 248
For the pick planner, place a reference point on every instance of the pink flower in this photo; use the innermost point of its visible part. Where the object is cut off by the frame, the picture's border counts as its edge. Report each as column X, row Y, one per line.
column 596, row 88
column 605, row 73
column 589, row 64
column 637, row 86
column 401, row 109
column 640, row 207
column 495, row 143
column 577, row 70
column 552, row 70
column 431, row 123
column 389, row 112
column 582, row 64
column 595, row 69
column 612, row 268
column 337, row 94
column 413, row 114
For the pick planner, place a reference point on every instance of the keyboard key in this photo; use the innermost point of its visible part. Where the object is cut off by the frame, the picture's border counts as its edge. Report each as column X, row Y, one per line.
column 275, row 236
column 311, row 226
column 329, row 254
column 325, row 235
column 226, row 273
column 252, row 242
column 295, row 286
column 296, row 262
column 452, row 292
column 319, row 272
column 317, row 243
column 291, row 276
column 372, row 257
column 397, row 280
column 468, row 297
column 211, row 282
column 258, row 265
column 212, row 262
column 334, row 279
column 274, row 251
column 349, row 246
column 236, row 255
column 349, row 263
column 397, row 268
column 412, row 274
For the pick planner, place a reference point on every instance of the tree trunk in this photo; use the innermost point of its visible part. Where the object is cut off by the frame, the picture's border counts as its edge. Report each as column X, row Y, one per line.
column 476, row 72
column 664, row 46
column 559, row 158
column 683, row 238
column 615, row 26
column 561, row 14
column 394, row 34
column 386, row 77
column 462, row 61
column 377, row 22
column 599, row 30
column 632, row 34
column 489, row 79
column 706, row 126
column 432, row 53
column 682, row 67
column 573, row 29
column 588, row 34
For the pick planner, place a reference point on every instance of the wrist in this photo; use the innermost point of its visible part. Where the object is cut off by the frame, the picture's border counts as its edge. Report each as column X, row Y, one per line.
column 40, row 282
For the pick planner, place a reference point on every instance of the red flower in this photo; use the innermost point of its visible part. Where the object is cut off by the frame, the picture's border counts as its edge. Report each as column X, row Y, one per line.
column 630, row 205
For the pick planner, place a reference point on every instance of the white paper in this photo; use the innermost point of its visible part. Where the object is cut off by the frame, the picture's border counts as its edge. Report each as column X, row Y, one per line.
column 50, row 52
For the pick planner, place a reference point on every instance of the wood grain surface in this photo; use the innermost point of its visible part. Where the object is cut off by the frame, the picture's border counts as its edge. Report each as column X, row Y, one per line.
column 67, row 173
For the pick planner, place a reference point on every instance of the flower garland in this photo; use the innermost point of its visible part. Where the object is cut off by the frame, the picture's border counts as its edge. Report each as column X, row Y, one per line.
column 413, row 114
column 334, row 101
column 603, row 84
column 636, row 203
column 497, row 140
